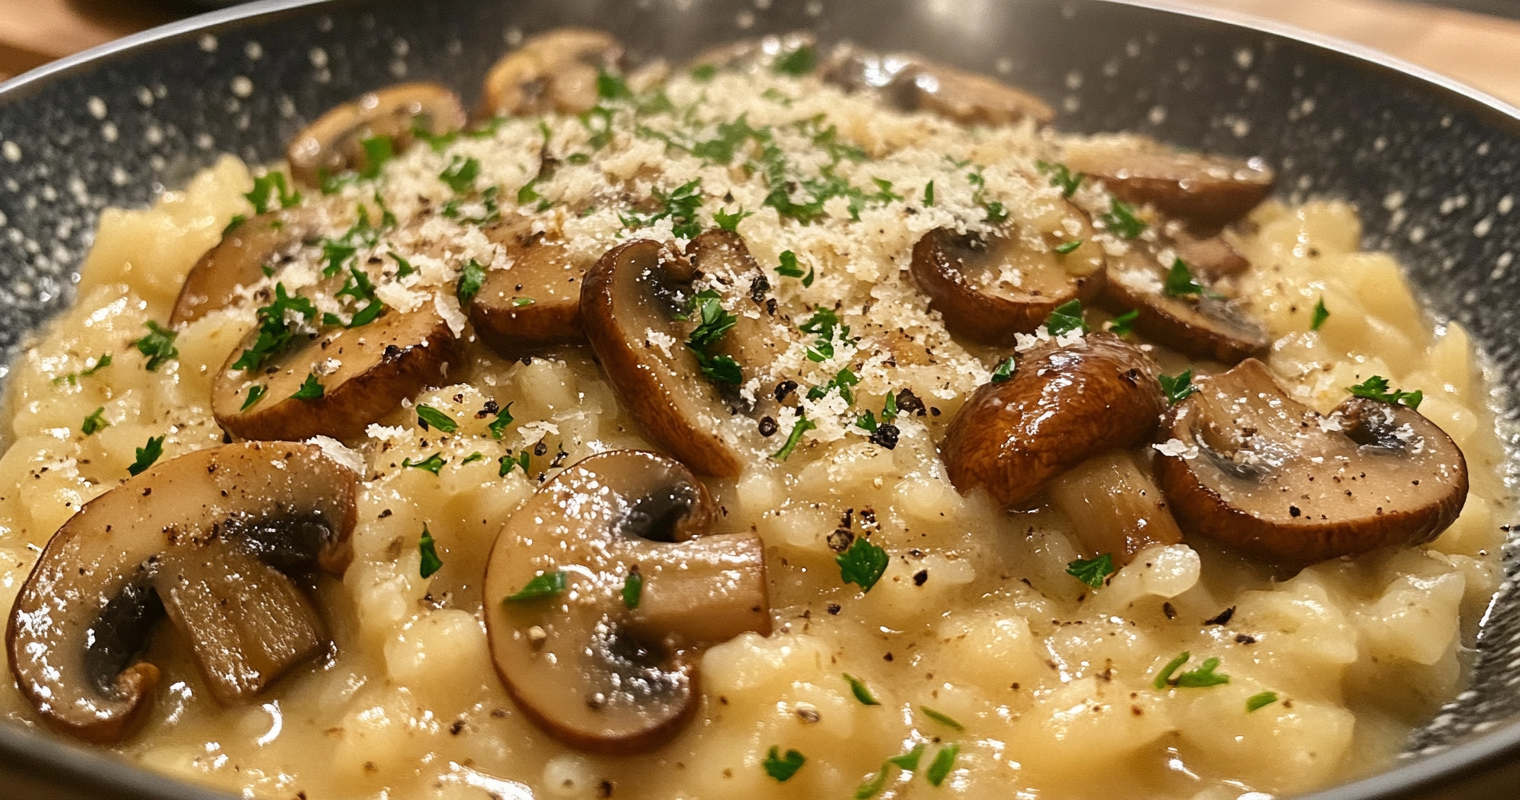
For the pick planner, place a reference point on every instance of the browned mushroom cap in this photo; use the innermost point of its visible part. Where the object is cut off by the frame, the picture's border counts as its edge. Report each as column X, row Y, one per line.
column 364, row 372
column 990, row 289
column 533, row 303
column 632, row 298
column 914, row 83
column 1211, row 257
column 601, row 592
column 214, row 538
column 239, row 260
column 553, row 71
column 1200, row 323
column 1257, row 470
column 1061, row 407
column 1206, row 191
column 1114, row 507
column 334, row 143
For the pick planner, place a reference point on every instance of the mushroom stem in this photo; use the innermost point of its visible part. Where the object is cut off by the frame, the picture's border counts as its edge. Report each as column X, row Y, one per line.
column 722, row 575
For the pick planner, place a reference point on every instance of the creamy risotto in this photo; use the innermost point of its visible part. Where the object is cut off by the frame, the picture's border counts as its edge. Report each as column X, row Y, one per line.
column 973, row 459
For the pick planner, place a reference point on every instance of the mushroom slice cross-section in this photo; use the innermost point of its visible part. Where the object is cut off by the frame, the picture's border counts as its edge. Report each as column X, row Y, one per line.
column 218, row 538
column 555, row 71
column 1062, row 406
column 990, row 289
column 1247, row 465
column 914, row 83
column 362, row 373
column 335, row 143
column 1195, row 321
column 534, row 302
column 239, row 260
column 601, row 592
column 1205, row 191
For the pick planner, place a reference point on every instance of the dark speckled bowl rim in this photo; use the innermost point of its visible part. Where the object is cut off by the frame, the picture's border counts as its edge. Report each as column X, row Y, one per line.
column 48, row 757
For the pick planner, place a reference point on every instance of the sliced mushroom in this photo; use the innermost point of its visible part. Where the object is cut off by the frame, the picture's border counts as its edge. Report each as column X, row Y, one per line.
column 1061, row 407
column 1114, row 507
column 748, row 54
column 219, row 538
column 533, row 303
column 1206, row 191
column 1201, row 323
column 1246, row 464
column 555, row 71
column 239, row 261
column 335, row 142
column 1212, row 257
column 990, row 289
column 914, row 83
column 364, row 373
column 600, row 659
column 632, row 302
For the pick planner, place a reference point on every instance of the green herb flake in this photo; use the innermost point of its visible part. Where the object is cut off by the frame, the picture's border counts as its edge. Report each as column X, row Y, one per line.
column 1066, row 318
column 1376, row 388
column 1320, row 315
column 633, row 588
column 1180, row 282
column 719, row 368
column 522, row 302
column 429, row 416
column 1203, row 677
column 730, row 222
column 271, row 192
column 1164, row 677
column 255, row 394
column 498, row 426
column 471, row 277
column 94, row 423
column 943, row 764
column 704, row 72
column 548, row 584
column 612, row 87
column 791, row 269
column 1092, row 571
column 863, row 564
column 1124, row 324
column 431, row 563
column 1257, row 702
column 1121, row 221
column 910, row 760
column 679, row 206
column 799, row 62
column 803, row 426
column 461, row 173
column 472, row 458
column 378, row 151
column 311, row 389
column 1067, row 248
column 275, row 332
column 782, row 767
column 157, row 346
column 432, row 463
column 1005, row 370
column 146, row 455
column 715, row 321
column 861, row 691
column 929, row 194
column 873, row 785
column 507, row 462
column 942, row 718
column 1177, row 389
column 237, row 221
column 1061, row 177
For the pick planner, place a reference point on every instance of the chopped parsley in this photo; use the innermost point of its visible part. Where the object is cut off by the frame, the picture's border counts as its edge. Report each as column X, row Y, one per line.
column 679, row 206
column 157, row 346
column 473, row 457
column 730, row 222
column 378, row 151
column 1067, row 248
column 861, row 691
column 1120, row 219
column 271, row 192
column 275, row 333
column 1320, row 315
column 94, row 423
column 1124, row 324
column 612, row 87
column 522, row 302
column 359, row 287
column 942, row 718
column 403, row 266
column 73, row 377
column 791, row 269
column 633, row 588
column 1177, row 389
column 507, row 462
column 498, row 426
column 704, row 72
column 548, row 584
column 1066, row 318
column 311, row 389
column 427, row 415
column 929, row 194
column 825, row 325
column 799, row 62
column 431, row 563
column 1092, row 571
column 471, row 276
column 1005, row 370
column 460, row 174
column 782, row 767
column 863, row 564
column 1376, row 388
column 943, row 764
column 1180, row 281
column 432, row 463
column 874, row 784
column 237, row 221
column 803, row 426
column 714, row 324
column 719, row 368
column 255, row 394
column 996, row 211
column 1257, row 702
column 1061, row 177
column 1201, row 678
column 147, row 454
column 841, row 382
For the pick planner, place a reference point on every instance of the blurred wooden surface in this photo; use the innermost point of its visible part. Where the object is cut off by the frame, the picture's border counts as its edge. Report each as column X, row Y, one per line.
column 1480, row 50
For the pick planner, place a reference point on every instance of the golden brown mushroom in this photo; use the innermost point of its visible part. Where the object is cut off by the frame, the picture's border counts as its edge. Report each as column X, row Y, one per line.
column 914, row 83
column 1061, row 407
column 239, row 261
column 220, row 540
column 555, row 71
column 1180, row 308
column 601, row 593
column 1206, row 191
column 335, row 142
column 1114, row 507
column 535, row 301
column 1245, row 464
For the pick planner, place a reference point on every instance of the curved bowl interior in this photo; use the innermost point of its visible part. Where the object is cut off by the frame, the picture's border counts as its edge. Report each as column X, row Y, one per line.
column 1432, row 169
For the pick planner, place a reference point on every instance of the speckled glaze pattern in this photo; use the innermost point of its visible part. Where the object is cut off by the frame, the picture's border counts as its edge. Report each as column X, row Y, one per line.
column 1433, row 171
